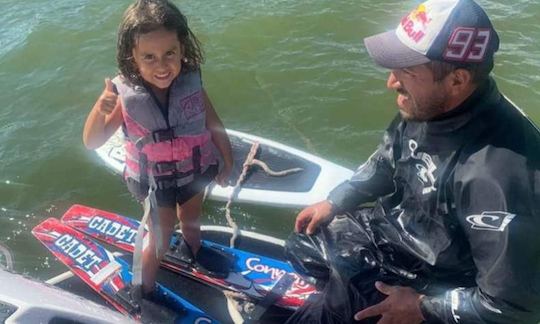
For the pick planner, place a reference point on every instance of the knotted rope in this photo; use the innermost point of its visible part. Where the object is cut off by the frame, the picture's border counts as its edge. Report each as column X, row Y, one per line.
column 250, row 160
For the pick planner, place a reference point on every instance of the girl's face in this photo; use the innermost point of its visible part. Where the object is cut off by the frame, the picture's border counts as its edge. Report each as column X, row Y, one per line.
column 158, row 56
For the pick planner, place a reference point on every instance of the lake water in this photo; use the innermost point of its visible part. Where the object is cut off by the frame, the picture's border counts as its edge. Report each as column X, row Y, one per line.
column 292, row 71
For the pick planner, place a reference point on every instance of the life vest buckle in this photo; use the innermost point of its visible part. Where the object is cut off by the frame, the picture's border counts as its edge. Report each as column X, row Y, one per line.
column 160, row 168
column 163, row 135
column 175, row 180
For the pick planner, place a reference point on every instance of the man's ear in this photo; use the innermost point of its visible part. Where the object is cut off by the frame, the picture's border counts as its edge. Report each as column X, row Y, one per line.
column 460, row 80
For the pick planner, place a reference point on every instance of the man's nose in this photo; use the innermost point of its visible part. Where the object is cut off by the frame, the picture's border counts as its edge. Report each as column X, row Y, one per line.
column 392, row 82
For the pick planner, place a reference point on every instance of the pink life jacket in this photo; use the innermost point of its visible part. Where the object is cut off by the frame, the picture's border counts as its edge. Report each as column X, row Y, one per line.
column 171, row 151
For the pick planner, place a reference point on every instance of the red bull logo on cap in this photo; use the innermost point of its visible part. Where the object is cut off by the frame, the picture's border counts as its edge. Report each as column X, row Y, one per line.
column 416, row 23
column 420, row 15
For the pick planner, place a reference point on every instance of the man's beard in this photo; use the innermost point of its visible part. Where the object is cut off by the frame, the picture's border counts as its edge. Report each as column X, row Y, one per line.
column 426, row 110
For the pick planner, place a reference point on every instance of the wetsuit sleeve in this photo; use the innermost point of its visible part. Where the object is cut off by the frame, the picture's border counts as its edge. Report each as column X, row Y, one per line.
column 372, row 179
column 497, row 195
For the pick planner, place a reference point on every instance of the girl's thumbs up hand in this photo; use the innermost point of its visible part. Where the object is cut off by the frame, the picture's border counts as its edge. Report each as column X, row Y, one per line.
column 108, row 99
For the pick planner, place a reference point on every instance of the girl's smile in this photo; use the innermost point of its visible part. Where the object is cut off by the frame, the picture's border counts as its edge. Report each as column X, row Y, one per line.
column 158, row 55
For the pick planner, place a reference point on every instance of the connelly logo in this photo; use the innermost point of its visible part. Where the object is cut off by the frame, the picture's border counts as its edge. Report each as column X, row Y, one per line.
column 490, row 220
column 254, row 264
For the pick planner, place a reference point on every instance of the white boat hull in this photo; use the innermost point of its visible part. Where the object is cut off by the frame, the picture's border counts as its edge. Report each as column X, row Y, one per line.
column 23, row 300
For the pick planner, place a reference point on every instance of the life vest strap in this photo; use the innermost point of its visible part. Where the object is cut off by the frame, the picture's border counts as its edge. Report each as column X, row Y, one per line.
column 162, row 136
column 174, row 181
column 176, row 166
column 196, row 157
column 179, row 179
column 143, row 176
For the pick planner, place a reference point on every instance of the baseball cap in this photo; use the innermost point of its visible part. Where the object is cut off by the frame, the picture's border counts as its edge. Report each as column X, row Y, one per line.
column 455, row 31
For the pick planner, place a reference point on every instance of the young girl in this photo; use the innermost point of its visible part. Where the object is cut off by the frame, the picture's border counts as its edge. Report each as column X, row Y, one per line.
column 171, row 128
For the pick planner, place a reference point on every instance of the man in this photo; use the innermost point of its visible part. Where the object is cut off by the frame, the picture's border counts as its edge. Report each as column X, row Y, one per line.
column 455, row 181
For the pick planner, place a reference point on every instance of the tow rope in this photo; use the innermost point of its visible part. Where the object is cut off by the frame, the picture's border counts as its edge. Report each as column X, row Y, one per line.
column 150, row 212
column 248, row 163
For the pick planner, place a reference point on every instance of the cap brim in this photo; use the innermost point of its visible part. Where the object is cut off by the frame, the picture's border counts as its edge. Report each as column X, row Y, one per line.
column 388, row 51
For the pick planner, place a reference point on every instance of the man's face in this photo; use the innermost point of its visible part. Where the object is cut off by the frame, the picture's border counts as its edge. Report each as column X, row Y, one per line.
column 420, row 98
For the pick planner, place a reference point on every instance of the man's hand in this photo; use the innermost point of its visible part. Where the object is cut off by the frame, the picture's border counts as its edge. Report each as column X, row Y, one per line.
column 402, row 306
column 311, row 217
column 108, row 99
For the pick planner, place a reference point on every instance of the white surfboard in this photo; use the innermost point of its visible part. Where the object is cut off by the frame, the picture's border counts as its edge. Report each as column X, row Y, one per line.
column 300, row 189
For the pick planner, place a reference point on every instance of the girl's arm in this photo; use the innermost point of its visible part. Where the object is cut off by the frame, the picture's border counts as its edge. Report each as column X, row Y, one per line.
column 104, row 118
column 220, row 139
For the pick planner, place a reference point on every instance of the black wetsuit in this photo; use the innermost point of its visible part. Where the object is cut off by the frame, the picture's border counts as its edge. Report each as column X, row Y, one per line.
column 460, row 195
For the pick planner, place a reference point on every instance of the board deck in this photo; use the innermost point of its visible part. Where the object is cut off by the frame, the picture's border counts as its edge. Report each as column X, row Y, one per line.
column 253, row 275
column 311, row 185
column 106, row 274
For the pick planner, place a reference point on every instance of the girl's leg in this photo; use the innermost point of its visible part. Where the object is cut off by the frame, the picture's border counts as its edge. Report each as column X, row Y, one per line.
column 211, row 261
column 167, row 220
column 188, row 214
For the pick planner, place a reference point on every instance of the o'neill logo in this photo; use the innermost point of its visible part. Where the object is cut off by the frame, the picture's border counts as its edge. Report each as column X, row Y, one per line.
column 490, row 220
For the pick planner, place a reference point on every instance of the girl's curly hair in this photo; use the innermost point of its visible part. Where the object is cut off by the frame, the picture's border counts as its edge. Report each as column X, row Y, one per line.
column 145, row 16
